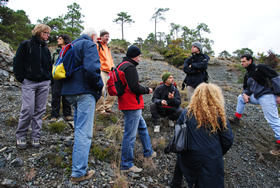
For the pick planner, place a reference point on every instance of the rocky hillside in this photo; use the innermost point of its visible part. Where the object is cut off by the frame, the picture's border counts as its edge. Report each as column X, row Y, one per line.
column 247, row 164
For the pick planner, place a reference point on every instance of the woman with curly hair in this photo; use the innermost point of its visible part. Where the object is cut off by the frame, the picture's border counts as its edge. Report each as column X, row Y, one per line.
column 209, row 138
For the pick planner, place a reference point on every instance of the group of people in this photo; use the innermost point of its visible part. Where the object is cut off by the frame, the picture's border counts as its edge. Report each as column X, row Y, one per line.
column 209, row 131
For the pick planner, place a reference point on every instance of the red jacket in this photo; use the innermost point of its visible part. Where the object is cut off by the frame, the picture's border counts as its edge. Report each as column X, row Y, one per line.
column 132, row 98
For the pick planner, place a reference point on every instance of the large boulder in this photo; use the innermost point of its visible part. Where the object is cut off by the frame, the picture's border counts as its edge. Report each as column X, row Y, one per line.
column 156, row 56
column 6, row 63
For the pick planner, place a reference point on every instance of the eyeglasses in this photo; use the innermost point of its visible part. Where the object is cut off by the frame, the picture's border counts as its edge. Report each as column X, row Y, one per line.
column 47, row 33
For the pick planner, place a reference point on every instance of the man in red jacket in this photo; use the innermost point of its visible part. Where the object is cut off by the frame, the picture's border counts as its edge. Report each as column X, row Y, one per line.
column 131, row 103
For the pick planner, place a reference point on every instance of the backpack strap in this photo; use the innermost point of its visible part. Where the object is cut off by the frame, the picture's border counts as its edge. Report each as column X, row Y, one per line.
column 100, row 46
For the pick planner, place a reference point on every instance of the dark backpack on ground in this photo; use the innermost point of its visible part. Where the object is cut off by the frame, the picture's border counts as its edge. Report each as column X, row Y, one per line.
column 65, row 63
column 116, row 82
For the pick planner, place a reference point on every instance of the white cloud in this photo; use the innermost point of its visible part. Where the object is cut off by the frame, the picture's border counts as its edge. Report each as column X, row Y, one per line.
column 234, row 25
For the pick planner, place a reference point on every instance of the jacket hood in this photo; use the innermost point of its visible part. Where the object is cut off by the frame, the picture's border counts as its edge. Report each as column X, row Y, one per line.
column 82, row 37
column 130, row 60
column 251, row 66
column 38, row 40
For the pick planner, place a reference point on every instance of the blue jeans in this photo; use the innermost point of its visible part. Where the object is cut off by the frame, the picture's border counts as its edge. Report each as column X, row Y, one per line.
column 269, row 107
column 133, row 122
column 84, row 107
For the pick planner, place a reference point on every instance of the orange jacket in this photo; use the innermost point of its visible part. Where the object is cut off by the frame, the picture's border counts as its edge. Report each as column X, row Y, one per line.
column 105, row 57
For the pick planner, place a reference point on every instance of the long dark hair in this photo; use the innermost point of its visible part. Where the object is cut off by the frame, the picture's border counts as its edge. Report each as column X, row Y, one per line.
column 67, row 39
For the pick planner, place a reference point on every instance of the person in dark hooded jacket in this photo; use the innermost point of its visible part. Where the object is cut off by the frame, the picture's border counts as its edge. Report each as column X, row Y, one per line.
column 195, row 67
column 32, row 68
column 209, row 137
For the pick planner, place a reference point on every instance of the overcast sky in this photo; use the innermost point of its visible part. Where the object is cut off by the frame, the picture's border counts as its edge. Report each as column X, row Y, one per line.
column 234, row 24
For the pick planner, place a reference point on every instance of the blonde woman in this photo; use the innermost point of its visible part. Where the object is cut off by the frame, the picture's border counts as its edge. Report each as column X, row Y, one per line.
column 209, row 138
column 32, row 68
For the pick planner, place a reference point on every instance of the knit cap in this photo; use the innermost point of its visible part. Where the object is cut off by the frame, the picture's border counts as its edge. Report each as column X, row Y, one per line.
column 103, row 32
column 133, row 51
column 198, row 45
column 165, row 76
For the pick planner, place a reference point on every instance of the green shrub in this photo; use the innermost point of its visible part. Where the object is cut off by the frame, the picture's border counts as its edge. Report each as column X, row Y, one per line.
column 56, row 127
column 99, row 152
column 11, row 121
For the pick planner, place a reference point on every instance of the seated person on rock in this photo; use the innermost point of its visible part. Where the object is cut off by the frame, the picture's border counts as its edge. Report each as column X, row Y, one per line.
column 166, row 101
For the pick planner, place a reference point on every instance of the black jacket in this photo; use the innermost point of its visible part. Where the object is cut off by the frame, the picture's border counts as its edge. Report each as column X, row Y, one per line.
column 256, row 81
column 131, row 76
column 196, row 74
column 33, row 61
column 161, row 93
column 203, row 161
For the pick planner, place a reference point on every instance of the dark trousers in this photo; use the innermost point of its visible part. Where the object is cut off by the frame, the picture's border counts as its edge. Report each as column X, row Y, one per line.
column 158, row 110
column 177, row 177
column 56, row 98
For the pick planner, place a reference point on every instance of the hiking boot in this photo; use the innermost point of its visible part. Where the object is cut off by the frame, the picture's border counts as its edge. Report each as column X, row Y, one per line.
column 87, row 176
column 274, row 152
column 53, row 119
column 156, row 128
column 110, row 111
column 35, row 143
column 69, row 118
column 171, row 123
column 21, row 144
column 105, row 114
column 134, row 169
column 234, row 120
column 152, row 156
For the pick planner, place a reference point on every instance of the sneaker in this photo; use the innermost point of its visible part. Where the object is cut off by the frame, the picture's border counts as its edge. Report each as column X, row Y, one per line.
column 156, row 128
column 152, row 156
column 35, row 143
column 274, row 152
column 87, row 176
column 171, row 123
column 234, row 120
column 134, row 169
column 110, row 111
column 68, row 118
column 21, row 144
column 105, row 114
column 53, row 119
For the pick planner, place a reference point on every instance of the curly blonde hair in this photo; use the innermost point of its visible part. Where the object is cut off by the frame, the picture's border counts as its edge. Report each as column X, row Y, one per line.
column 207, row 105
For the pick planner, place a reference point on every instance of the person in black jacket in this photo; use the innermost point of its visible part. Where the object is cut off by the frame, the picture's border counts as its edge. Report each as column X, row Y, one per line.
column 166, row 101
column 62, row 41
column 262, row 87
column 209, row 137
column 32, row 68
column 195, row 67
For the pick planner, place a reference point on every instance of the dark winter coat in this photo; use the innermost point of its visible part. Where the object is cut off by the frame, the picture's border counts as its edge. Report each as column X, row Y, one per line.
column 161, row 93
column 86, row 80
column 256, row 81
column 33, row 61
column 203, row 162
column 132, row 99
column 196, row 74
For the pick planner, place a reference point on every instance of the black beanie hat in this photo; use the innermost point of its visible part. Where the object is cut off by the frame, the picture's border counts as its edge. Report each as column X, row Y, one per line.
column 133, row 51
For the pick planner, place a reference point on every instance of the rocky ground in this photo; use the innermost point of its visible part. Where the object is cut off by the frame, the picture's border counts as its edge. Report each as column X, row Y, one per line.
column 247, row 164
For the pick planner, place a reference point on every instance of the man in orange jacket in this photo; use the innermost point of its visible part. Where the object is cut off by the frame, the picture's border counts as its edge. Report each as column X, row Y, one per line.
column 105, row 103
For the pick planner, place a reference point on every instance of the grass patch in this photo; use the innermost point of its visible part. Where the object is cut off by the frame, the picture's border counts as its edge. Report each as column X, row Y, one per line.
column 56, row 127
column 11, row 121
column 114, row 131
